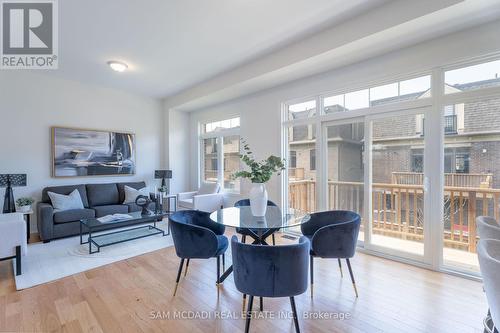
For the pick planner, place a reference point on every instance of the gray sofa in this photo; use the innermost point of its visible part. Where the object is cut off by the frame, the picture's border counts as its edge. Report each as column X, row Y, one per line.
column 98, row 200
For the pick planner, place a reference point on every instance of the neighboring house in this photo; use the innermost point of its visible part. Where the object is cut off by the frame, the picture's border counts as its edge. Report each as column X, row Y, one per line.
column 472, row 142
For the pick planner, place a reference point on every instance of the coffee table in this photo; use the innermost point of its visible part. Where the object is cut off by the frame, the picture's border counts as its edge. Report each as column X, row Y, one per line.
column 92, row 225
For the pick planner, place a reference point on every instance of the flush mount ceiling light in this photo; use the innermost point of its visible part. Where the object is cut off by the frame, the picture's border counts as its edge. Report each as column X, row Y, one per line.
column 118, row 66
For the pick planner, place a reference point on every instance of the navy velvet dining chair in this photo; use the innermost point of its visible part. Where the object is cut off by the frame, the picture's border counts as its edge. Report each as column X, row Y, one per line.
column 270, row 271
column 196, row 236
column 333, row 234
column 245, row 232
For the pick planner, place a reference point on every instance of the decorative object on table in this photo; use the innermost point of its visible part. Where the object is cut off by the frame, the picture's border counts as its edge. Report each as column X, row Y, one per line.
column 8, row 181
column 163, row 174
column 260, row 173
column 24, row 204
column 156, row 199
column 143, row 202
column 80, row 152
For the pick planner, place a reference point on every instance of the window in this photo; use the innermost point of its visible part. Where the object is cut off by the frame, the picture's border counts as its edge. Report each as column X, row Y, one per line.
column 231, row 161
column 417, row 160
column 221, row 153
column 312, row 159
column 210, row 160
column 389, row 93
column 472, row 77
column 302, row 110
column 293, row 159
column 217, row 126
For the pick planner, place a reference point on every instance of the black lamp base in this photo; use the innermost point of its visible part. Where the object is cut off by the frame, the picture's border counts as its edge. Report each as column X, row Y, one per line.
column 9, row 206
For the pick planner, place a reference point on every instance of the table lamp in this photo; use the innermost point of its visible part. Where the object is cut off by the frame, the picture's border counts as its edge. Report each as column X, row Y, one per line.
column 8, row 180
column 163, row 174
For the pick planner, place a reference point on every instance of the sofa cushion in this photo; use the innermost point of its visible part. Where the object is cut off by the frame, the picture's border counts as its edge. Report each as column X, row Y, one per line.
column 62, row 202
column 208, row 188
column 131, row 193
column 121, row 191
column 73, row 215
column 110, row 209
column 102, row 194
column 66, row 190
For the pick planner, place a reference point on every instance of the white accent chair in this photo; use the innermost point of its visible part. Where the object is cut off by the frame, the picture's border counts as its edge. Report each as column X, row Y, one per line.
column 488, row 252
column 13, row 242
column 207, row 199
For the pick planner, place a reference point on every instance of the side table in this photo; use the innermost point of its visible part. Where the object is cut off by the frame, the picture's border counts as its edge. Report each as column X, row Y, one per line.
column 27, row 218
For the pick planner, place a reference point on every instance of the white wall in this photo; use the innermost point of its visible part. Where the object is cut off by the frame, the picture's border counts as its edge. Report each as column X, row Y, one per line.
column 261, row 112
column 177, row 142
column 31, row 103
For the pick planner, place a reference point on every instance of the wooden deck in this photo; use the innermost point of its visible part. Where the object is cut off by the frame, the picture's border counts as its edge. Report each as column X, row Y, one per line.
column 121, row 297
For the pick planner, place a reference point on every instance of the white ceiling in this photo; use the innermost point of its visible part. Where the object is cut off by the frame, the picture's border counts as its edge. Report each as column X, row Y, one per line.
column 171, row 45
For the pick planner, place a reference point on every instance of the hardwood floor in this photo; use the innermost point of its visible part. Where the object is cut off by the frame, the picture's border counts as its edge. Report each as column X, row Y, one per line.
column 135, row 295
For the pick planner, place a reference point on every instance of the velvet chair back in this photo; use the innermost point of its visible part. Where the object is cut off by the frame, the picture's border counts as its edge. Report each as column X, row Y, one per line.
column 194, row 234
column 487, row 228
column 246, row 202
column 333, row 234
column 488, row 252
column 270, row 271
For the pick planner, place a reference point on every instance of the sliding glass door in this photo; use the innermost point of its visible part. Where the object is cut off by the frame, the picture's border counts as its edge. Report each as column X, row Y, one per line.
column 397, row 184
column 344, row 143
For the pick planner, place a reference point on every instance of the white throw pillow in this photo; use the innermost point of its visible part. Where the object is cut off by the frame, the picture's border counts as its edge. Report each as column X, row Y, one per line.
column 131, row 193
column 208, row 188
column 62, row 202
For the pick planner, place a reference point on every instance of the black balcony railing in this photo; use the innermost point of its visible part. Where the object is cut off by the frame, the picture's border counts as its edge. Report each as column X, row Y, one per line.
column 450, row 125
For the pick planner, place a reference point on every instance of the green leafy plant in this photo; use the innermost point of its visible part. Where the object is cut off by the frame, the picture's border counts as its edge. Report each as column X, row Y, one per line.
column 260, row 172
column 24, row 202
column 163, row 189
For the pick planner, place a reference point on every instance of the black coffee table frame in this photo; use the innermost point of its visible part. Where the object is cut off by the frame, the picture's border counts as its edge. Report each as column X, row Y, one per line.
column 145, row 219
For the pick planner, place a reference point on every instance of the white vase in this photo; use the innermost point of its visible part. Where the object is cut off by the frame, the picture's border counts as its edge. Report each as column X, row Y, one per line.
column 258, row 199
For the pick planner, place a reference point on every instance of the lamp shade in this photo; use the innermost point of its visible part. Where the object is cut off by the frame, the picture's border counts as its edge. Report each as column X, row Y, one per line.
column 160, row 174
column 15, row 179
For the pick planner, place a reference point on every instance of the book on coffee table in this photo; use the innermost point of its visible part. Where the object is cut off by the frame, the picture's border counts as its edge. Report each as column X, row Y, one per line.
column 114, row 217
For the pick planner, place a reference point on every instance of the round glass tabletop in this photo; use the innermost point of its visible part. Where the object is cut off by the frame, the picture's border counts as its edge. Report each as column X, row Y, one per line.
column 241, row 217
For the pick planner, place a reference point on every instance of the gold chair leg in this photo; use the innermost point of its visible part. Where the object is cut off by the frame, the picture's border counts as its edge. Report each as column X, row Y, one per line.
column 186, row 270
column 312, row 290
column 355, row 289
column 175, row 290
column 244, row 303
column 340, row 267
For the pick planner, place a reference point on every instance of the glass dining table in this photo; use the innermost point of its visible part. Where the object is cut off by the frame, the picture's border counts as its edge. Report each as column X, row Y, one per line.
column 257, row 227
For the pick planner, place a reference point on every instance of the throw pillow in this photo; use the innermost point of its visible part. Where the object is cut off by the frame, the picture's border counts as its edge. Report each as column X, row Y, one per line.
column 62, row 202
column 131, row 193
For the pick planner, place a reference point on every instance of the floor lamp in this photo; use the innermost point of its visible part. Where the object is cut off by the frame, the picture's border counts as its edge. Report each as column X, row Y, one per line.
column 7, row 181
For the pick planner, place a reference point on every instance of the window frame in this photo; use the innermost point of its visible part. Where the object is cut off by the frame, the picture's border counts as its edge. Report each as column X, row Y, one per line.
column 219, row 136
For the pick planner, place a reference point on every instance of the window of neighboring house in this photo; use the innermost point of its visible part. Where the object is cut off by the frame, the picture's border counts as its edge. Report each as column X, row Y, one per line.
column 292, row 163
column 456, row 160
column 417, row 160
column 221, row 153
column 312, row 159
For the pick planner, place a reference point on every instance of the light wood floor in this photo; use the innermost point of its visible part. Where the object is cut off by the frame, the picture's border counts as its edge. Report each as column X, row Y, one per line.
column 124, row 296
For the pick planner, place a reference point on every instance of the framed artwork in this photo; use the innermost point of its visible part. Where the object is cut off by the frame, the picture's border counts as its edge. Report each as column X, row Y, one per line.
column 83, row 152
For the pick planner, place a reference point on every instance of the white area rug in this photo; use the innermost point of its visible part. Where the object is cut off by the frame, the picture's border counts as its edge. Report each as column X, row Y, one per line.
column 64, row 257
